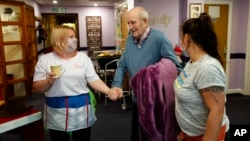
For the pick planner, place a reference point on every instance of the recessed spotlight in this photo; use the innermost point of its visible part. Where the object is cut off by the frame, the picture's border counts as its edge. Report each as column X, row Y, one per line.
column 55, row 2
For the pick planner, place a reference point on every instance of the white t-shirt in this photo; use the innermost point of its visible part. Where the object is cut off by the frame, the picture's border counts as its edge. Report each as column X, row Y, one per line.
column 191, row 111
column 78, row 71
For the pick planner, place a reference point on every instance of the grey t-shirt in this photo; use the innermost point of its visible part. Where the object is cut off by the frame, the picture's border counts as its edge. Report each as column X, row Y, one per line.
column 191, row 112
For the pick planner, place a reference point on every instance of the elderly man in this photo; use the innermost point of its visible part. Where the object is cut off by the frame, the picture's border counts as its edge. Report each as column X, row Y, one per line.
column 144, row 46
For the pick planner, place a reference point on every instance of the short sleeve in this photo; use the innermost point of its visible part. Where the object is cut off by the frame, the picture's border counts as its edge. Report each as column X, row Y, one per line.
column 91, row 74
column 40, row 69
column 210, row 74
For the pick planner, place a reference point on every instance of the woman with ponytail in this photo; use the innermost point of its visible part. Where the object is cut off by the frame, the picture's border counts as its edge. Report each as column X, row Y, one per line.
column 200, row 87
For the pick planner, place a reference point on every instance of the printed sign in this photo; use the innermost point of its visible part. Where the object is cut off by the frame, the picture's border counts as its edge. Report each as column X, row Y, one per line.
column 94, row 34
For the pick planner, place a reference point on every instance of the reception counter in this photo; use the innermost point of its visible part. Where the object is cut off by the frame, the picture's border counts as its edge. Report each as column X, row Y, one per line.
column 28, row 125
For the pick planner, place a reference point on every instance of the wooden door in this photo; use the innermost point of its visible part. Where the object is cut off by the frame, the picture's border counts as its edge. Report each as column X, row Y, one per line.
column 221, row 28
column 124, row 27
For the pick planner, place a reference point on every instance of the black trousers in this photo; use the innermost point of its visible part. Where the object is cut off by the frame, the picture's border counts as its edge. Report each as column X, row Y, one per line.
column 78, row 135
column 135, row 124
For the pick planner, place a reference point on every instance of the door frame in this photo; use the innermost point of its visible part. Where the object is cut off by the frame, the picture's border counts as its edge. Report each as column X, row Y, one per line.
column 229, row 33
column 247, row 68
column 65, row 15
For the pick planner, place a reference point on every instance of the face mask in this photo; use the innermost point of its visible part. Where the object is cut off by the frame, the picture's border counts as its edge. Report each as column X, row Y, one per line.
column 72, row 45
column 184, row 53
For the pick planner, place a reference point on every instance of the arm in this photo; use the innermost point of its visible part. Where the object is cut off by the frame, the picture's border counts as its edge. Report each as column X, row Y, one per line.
column 42, row 79
column 42, row 86
column 100, row 86
column 120, row 72
column 214, row 98
column 167, row 51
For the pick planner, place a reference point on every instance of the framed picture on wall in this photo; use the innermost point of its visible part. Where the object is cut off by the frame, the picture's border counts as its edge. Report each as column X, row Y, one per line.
column 194, row 10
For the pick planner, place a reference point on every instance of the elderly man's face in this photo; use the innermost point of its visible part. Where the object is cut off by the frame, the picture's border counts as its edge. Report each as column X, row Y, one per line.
column 136, row 25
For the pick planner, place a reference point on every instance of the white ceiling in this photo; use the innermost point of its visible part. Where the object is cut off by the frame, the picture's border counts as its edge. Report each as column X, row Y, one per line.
column 79, row 2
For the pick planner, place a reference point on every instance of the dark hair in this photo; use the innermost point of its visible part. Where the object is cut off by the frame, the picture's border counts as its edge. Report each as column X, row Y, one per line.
column 201, row 31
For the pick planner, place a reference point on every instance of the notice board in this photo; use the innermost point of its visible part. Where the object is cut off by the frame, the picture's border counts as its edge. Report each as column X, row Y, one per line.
column 94, row 34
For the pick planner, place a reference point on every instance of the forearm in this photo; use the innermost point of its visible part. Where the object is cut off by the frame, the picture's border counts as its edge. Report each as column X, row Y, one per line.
column 214, row 99
column 119, row 72
column 42, row 86
column 100, row 86
column 118, row 79
column 213, row 127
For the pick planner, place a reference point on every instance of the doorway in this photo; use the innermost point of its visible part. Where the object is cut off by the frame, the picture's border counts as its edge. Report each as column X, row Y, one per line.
column 224, row 47
column 220, row 20
column 50, row 20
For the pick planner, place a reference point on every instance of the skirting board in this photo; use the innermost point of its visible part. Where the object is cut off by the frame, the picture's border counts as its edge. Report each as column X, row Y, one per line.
column 239, row 91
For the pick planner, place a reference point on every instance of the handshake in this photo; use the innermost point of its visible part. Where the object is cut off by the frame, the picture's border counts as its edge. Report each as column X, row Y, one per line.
column 115, row 93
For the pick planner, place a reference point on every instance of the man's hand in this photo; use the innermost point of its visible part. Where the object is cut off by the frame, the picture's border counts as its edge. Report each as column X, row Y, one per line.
column 115, row 93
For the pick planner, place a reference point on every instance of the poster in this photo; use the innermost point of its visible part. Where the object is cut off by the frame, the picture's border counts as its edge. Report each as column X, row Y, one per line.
column 94, row 34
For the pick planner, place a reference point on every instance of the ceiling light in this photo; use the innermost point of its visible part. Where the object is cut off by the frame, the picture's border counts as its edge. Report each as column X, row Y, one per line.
column 95, row 4
column 55, row 2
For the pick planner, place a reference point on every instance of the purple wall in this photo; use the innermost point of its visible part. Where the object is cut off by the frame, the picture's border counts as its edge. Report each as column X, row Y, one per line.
column 175, row 11
column 238, row 44
column 108, row 22
column 164, row 16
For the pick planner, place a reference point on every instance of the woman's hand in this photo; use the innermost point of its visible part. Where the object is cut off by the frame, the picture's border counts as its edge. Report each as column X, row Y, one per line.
column 115, row 93
column 51, row 78
column 44, row 85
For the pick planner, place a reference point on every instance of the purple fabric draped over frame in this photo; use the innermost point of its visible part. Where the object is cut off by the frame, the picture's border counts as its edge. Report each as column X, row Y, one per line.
column 153, row 88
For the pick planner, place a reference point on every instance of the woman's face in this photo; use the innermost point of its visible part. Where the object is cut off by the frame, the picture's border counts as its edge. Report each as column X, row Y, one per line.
column 71, row 34
column 71, row 42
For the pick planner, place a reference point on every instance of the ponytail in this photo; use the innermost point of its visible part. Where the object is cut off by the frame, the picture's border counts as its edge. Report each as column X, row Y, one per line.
column 202, row 32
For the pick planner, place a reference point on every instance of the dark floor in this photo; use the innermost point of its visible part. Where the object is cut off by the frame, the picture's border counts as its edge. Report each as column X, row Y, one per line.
column 238, row 109
column 113, row 123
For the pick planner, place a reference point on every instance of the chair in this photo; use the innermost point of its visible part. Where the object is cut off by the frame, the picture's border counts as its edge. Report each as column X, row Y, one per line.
column 109, row 72
column 101, row 61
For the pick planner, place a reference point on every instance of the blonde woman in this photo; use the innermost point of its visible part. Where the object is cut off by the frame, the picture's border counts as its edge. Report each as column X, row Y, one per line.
column 68, row 106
